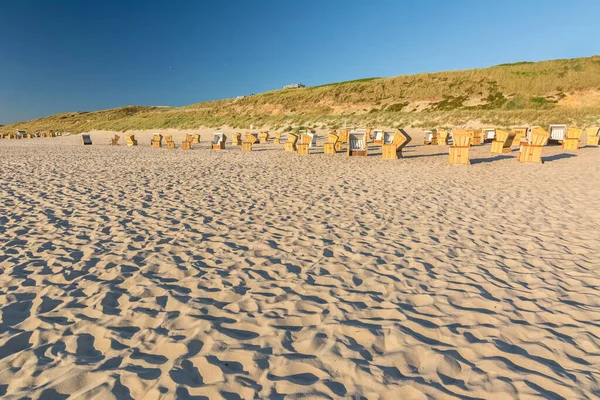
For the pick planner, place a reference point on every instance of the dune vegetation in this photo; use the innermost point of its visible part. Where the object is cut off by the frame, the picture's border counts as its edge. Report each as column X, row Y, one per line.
column 510, row 94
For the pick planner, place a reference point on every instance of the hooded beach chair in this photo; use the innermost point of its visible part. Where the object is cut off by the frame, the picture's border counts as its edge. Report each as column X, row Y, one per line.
column 343, row 135
column 249, row 140
column 156, row 140
column 277, row 139
column 442, row 137
column 291, row 144
column 131, row 141
column 520, row 135
column 427, row 137
column 476, row 137
column 237, row 139
column 113, row 142
column 187, row 143
column 264, row 136
column 502, row 141
column 558, row 133
column 593, row 135
column 531, row 151
column 196, row 139
column 330, row 146
column 459, row 151
column 571, row 140
column 86, row 140
column 312, row 142
column 357, row 143
column 392, row 144
column 169, row 141
column 378, row 138
column 304, row 143
column 218, row 142
column 489, row 134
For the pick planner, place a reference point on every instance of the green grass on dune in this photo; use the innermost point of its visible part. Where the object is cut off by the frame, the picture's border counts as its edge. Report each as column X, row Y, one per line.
column 508, row 94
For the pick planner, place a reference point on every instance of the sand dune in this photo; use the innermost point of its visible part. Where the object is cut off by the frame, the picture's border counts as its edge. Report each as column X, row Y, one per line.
column 154, row 273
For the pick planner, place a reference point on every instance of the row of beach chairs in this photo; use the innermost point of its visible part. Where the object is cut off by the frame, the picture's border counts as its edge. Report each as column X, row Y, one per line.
column 24, row 135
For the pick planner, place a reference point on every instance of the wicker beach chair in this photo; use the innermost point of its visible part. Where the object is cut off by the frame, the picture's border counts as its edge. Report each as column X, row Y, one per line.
column 476, row 137
column 131, row 141
column 571, row 140
column 378, row 136
column 86, row 140
column 531, row 151
column 264, row 136
column 392, row 144
column 489, row 134
column 277, row 139
column 442, row 137
column 218, row 142
column 502, row 141
column 113, row 142
column 459, row 152
column 593, row 135
column 156, row 141
column 343, row 135
column 291, row 145
column 249, row 140
column 558, row 133
column 187, row 143
column 330, row 146
column 169, row 141
column 237, row 139
column 197, row 138
column 357, row 144
column 427, row 137
column 303, row 144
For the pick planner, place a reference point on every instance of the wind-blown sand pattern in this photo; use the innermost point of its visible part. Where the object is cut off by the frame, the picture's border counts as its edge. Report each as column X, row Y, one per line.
column 152, row 273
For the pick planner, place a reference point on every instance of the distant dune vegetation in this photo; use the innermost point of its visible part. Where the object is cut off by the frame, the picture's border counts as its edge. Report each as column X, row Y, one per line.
column 509, row 94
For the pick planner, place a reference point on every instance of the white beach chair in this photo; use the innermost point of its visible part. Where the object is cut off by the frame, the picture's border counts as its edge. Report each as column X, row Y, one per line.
column 357, row 143
column 218, row 142
column 378, row 136
column 489, row 134
column 558, row 132
column 428, row 137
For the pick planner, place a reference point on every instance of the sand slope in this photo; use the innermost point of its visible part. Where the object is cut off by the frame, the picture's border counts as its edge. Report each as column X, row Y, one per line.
column 146, row 273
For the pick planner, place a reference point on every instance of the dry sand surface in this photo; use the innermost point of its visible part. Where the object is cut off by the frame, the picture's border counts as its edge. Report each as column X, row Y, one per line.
column 152, row 273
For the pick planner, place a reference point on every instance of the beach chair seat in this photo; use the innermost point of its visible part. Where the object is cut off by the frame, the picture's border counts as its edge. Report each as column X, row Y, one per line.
column 502, row 142
column 264, row 137
column 196, row 139
column 86, row 140
column 169, row 141
column 571, row 139
column 292, row 143
column 156, row 140
column 392, row 144
column 593, row 135
column 459, row 151
column 357, row 144
column 489, row 134
column 187, row 143
column 218, row 142
column 330, row 146
column 113, row 142
column 531, row 150
column 131, row 140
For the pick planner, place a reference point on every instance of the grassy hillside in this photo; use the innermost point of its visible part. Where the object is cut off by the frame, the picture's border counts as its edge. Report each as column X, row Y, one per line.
column 510, row 94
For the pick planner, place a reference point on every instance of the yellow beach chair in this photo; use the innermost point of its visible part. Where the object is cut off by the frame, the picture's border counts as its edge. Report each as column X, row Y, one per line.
column 502, row 141
column 459, row 152
column 531, row 151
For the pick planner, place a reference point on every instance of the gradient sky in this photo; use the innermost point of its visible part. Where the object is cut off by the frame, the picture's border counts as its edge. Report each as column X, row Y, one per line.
column 84, row 55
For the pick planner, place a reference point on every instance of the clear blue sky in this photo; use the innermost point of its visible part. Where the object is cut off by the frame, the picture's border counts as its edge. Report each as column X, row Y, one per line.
column 83, row 55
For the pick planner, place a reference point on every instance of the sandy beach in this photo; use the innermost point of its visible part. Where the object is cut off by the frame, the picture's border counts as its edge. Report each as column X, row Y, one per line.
column 133, row 272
